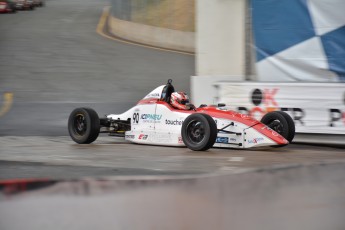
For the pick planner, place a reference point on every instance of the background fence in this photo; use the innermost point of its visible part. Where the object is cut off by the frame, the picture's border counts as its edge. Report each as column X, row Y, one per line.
column 176, row 15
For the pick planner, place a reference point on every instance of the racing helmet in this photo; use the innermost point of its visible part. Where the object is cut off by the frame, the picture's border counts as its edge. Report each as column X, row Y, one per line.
column 179, row 100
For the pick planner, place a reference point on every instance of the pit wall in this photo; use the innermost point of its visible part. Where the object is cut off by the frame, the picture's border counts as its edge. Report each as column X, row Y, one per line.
column 151, row 35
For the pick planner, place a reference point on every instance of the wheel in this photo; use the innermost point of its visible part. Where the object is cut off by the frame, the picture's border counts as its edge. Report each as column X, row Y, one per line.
column 280, row 122
column 83, row 125
column 199, row 132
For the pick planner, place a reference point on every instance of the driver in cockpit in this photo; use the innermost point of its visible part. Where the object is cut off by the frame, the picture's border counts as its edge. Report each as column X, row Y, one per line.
column 180, row 100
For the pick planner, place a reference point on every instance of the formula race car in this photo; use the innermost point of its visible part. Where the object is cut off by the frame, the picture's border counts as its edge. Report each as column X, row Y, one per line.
column 155, row 121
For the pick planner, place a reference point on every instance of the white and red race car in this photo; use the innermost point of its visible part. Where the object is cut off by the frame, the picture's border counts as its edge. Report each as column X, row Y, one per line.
column 154, row 121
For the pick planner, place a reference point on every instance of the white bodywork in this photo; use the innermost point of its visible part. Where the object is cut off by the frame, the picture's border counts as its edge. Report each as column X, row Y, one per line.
column 157, row 124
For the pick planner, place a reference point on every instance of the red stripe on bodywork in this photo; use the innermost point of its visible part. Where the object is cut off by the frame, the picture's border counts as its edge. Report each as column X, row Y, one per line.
column 247, row 120
column 228, row 114
column 149, row 101
column 215, row 112
column 270, row 133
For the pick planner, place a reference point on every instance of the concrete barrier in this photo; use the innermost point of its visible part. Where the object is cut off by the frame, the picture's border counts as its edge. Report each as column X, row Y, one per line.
column 151, row 35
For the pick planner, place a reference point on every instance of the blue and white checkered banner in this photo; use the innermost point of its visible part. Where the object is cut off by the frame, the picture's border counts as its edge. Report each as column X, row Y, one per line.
column 299, row 40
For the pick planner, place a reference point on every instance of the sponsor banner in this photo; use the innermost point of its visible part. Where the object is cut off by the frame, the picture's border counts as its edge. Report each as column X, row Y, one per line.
column 315, row 107
column 299, row 40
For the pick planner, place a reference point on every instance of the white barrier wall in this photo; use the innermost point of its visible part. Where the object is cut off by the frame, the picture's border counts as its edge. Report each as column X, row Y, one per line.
column 315, row 107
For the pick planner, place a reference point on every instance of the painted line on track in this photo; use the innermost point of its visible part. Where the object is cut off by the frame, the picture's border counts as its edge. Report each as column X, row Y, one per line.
column 101, row 30
column 7, row 104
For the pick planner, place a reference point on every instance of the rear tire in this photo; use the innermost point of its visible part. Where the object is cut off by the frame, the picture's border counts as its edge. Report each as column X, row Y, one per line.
column 280, row 122
column 199, row 132
column 83, row 125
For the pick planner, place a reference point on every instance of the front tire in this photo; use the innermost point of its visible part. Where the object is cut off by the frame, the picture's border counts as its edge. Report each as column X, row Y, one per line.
column 199, row 132
column 83, row 125
column 280, row 122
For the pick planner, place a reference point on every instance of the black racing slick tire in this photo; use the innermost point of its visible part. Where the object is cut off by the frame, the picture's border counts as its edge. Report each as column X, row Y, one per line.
column 199, row 132
column 280, row 122
column 83, row 125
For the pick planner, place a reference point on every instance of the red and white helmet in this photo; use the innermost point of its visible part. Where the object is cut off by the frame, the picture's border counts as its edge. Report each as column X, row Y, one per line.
column 179, row 100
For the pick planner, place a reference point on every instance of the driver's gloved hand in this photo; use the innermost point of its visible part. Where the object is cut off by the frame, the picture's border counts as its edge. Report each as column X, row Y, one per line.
column 190, row 106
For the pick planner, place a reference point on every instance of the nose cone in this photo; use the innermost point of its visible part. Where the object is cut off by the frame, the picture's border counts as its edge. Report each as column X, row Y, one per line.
column 271, row 134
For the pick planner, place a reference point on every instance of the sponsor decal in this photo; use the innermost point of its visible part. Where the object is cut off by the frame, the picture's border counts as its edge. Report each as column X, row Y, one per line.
column 173, row 122
column 150, row 117
column 244, row 116
column 143, row 137
column 155, row 95
column 135, row 118
column 146, row 117
column 274, row 133
column 180, row 141
column 222, row 140
column 130, row 137
column 256, row 140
